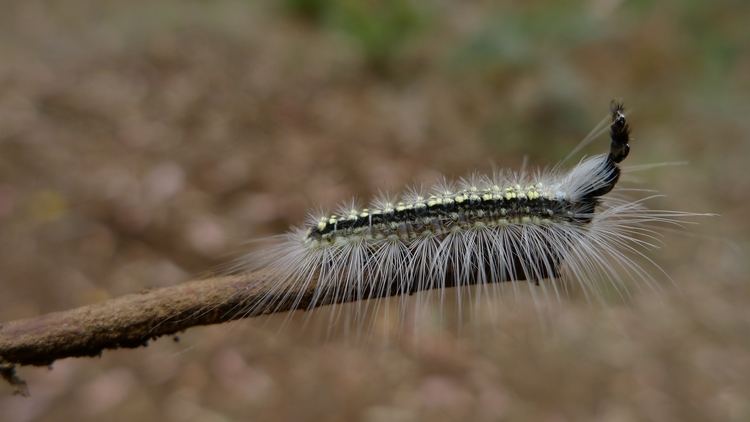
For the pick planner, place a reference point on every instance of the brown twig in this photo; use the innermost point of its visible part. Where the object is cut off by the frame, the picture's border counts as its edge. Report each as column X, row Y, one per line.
column 130, row 321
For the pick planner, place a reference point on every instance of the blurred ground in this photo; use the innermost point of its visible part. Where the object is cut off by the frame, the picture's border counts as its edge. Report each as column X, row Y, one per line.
column 142, row 143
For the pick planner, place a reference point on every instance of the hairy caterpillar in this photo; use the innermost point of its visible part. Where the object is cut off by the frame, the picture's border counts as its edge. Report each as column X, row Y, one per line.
column 543, row 229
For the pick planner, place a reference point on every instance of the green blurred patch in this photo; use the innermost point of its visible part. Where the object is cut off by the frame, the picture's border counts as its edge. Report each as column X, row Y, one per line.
column 379, row 29
column 517, row 36
column 311, row 10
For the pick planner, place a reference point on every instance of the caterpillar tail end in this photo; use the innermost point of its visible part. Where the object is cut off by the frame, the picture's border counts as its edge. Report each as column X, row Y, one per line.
column 619, row 132
column 609, row 170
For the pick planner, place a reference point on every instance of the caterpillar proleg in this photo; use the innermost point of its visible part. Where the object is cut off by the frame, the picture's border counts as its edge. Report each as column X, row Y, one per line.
column 543, row 229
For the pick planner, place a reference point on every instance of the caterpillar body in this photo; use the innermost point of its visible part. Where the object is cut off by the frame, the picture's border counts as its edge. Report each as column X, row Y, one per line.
column 541, row 228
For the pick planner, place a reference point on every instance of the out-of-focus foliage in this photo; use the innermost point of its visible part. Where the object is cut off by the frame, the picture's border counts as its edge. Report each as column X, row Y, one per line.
column 379, row 29
column 141, row 143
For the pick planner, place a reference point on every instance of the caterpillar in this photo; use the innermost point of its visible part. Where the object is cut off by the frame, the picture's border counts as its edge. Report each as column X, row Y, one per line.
column 544, row 229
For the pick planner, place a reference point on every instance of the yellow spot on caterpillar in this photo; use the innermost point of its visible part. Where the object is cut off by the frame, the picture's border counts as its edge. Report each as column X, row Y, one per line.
column 487, row 197
column 459, row 199
column 321, row 225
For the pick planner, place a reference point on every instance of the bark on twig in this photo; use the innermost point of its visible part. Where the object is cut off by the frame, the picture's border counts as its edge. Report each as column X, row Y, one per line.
column 129, row 321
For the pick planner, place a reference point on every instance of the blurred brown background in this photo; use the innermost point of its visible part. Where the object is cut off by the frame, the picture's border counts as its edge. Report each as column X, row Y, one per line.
column 141, row 143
